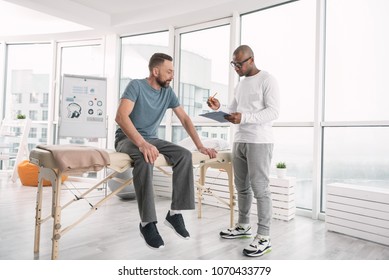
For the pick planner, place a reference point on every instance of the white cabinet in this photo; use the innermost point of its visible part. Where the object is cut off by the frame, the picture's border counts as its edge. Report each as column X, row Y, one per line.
column 13, row 144
column 358, row 211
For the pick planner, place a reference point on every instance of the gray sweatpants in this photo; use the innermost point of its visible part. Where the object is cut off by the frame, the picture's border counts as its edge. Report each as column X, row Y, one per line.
column 183, row 184
column 251, row 164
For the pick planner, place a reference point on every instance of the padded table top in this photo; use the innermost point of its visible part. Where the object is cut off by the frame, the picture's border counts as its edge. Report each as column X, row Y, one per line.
column 121, row 161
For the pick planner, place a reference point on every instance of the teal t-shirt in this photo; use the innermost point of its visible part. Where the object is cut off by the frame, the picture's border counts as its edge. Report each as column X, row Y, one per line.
column 149, row 108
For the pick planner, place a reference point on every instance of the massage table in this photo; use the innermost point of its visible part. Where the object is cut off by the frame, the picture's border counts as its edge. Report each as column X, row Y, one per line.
column 119, row 162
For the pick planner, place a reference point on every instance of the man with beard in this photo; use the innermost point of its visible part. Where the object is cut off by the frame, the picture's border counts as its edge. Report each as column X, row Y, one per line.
column 141, row 109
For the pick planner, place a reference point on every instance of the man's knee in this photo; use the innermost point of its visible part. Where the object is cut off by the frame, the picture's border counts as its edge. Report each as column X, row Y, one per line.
column 186, row 154
column 140, row 163
column 262, row 191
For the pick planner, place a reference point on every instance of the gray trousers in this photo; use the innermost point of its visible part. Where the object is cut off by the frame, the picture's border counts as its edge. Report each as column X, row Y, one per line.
column 251, row 164
column 183, row 184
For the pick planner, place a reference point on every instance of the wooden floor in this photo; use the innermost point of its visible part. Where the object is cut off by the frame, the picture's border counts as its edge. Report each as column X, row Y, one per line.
column 112, row 234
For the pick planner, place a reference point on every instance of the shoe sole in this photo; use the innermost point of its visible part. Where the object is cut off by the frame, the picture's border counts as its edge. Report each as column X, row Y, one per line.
column 166, row 222
column 254, row 254
column 153, row 248
column 235, row 236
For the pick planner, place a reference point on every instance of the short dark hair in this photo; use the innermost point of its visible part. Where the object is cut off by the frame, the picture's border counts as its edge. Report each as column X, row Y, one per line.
column 157, row 59
column 244, row 49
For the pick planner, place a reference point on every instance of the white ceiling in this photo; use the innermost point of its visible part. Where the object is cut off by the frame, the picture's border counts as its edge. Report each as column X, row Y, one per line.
column 26, row 17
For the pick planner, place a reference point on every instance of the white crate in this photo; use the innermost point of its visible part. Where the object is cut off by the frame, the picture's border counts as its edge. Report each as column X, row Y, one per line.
column 283, row 197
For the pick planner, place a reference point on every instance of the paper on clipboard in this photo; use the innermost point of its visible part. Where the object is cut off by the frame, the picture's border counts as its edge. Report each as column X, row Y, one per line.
column 217, row 116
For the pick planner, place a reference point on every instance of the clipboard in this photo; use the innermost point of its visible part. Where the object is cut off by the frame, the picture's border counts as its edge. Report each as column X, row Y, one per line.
column 216, row 116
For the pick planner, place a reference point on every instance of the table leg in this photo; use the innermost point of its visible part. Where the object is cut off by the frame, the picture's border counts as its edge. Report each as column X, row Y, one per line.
column 56, row 214
column 38, row 214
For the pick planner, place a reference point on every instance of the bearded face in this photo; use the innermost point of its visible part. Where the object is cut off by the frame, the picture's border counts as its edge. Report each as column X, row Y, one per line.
column 164, row 74
column 163, row 83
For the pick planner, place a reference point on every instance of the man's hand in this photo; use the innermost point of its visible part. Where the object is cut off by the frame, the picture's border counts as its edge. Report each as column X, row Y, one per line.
column 208, row 151
column 213, row 103
column 234, row 117
column 150, row 152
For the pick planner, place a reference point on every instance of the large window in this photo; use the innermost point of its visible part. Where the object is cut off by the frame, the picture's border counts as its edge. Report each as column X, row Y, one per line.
column 82, row 59
column 283, row 41
column 28, row 84
column 297, row 152
column 357, row 60
column 204, row 64
column 136, row 53
column 356, row 155
column 356, row 127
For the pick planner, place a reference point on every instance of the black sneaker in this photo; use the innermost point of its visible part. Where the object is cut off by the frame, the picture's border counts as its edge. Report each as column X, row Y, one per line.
column 151, row 235
column 176, row 222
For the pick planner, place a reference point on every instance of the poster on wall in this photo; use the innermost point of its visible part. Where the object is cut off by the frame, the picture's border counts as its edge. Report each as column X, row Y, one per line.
column 83, row 107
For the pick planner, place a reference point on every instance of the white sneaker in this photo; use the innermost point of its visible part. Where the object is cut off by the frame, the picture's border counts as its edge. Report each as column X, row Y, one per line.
column 258, row 247
column 236, row 232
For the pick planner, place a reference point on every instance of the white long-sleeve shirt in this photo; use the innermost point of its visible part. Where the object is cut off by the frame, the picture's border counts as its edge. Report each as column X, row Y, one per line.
column 257, row 99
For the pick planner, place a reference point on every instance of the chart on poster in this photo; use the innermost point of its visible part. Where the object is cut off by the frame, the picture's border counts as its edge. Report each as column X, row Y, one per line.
column 83, row 107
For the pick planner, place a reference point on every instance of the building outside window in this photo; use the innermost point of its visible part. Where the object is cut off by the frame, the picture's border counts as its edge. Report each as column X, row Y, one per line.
column 45, row 115
column 45, row 100
column 27, row 82
column 44, row 134
column 33, row 115
column 33, row 132
column 33, row 97
column 18, row 97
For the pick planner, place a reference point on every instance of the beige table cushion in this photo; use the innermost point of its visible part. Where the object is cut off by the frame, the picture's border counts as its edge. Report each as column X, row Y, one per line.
column 121, row 161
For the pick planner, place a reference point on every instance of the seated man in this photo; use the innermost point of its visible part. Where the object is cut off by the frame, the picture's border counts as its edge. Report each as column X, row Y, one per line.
column 141, row 109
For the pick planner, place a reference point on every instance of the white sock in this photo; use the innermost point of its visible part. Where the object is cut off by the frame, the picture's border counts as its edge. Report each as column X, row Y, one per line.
column 245, row 226
column 173, row 212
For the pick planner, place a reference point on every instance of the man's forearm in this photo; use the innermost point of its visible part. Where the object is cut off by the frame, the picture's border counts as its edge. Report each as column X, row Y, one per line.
column 191, row 130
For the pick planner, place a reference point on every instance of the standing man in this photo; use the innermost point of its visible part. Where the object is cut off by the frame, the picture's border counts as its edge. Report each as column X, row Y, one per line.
column 141, row 109
column 254, row 107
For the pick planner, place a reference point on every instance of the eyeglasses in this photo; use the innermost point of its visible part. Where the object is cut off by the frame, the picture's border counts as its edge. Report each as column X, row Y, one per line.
column 239, row 64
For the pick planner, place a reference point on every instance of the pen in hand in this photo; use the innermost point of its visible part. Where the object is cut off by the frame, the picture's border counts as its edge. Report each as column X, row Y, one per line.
column 211, row 99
